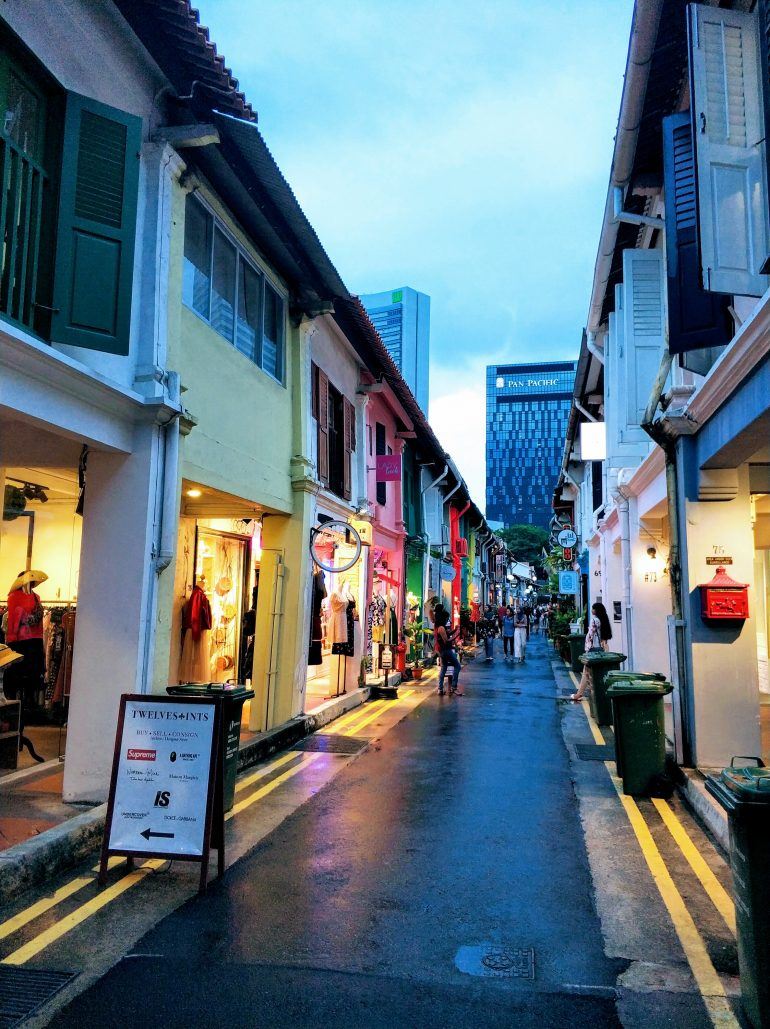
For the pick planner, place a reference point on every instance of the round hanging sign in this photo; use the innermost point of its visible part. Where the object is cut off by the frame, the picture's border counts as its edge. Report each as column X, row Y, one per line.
column 335, row 546
column 567, row 538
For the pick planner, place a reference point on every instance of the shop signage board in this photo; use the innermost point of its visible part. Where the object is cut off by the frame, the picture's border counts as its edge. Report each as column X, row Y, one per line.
column 448, row 571
column 569, row 581
column 166, row 787
column 388, row 467
column 719, row 560
column 567, row 538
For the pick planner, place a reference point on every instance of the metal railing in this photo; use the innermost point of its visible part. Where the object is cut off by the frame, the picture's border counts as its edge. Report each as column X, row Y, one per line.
column 22, row 182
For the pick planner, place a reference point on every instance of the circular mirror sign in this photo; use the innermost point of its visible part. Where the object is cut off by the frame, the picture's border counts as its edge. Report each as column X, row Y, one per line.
column 567, row 538
column 335, row 546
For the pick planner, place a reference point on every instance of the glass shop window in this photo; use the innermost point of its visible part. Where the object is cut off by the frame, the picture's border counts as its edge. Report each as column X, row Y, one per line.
column 220, row 284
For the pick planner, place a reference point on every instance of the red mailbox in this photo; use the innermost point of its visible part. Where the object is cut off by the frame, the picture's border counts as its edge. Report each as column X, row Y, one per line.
column 724, row 599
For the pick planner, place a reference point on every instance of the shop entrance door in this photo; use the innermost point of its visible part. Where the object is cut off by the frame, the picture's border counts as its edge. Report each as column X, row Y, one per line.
column 221, row 570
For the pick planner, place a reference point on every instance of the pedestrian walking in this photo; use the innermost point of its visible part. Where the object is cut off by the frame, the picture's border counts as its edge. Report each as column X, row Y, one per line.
column 520, row 635
column 488, row 631
column 508, row 630
column 597, row 638
column 444, row 643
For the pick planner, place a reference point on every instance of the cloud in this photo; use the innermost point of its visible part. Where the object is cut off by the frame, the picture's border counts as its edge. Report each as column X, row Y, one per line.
column 461, row 150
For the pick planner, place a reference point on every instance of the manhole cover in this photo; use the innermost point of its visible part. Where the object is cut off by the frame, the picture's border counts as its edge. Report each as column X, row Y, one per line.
column 24, row 990
column 594, row 752
column 328, row 743
column 497, row 962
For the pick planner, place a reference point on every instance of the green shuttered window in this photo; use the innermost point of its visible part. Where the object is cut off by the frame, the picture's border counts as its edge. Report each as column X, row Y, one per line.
column 93, row 274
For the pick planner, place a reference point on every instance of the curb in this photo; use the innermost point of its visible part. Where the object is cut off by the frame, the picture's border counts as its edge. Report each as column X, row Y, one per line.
column 36, row 860
column 693, row 791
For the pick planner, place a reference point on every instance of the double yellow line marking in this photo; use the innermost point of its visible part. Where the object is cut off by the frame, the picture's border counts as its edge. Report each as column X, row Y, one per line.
column 353, row 722
column 706, row 976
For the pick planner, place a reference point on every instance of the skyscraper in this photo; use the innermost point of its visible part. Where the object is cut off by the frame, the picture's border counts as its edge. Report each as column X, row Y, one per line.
column 402, row 318
column 527, row 410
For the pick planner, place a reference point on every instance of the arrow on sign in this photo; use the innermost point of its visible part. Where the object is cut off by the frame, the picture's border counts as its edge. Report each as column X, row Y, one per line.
column 161, row 835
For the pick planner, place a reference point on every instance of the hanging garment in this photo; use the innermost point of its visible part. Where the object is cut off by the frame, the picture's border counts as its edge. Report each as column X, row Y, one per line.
column 196, row 646
column 315, row 649
column 64, row 675
column 25, row 616
column 337, row 626
column 346, row 647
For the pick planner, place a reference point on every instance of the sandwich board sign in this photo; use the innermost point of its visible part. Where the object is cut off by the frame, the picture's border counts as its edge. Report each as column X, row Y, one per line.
column 165, row 796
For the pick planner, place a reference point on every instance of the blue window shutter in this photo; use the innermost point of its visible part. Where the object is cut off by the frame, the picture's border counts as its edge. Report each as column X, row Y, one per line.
column 94, row 264
column 696, row 319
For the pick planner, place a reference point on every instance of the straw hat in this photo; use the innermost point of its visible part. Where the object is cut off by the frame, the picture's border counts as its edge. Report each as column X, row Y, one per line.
column 31, row 577
column 7, row 656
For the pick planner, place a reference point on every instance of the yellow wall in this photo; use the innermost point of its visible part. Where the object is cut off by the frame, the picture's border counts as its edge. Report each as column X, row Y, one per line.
column 241, row 445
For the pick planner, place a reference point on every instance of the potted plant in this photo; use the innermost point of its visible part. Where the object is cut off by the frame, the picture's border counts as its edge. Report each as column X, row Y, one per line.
column 414, row 633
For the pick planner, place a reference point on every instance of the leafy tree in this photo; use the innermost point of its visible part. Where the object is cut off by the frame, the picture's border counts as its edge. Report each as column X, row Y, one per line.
column 526, row 542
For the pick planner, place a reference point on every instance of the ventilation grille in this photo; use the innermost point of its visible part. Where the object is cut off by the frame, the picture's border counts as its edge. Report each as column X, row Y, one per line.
column 101, row 170
column 646, row 299
column 725, row 86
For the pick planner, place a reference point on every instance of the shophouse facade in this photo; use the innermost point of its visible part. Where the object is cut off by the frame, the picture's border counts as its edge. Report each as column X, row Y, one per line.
column 673, row 371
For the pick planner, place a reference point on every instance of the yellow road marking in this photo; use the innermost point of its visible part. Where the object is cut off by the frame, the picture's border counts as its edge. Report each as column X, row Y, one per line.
column 713, row 887
column 12, row 925
column 709, row 983
column 359, row 712
column 353, row 729
column 260, row 773
column 62, row 927
column 273, row 785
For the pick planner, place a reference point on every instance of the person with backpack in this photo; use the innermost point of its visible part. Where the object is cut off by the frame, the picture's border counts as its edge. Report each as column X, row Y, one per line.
column 444, row 645
column 508, row 633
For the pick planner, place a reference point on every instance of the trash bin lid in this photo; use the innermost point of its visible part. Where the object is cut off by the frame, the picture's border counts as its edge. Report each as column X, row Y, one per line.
column 601, row 657
column 639, row 687
column 611, row 677
column 228, row 690
column 751, row 784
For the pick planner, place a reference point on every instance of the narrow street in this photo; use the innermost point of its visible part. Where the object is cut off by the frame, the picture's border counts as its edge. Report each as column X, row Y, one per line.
column 441, row 878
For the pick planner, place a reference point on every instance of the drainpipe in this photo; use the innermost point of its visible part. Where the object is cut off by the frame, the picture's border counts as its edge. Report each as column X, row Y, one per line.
column 168, row 521
column 659, row 436
column 592, row 348
column 625, row 557
column 589, row 416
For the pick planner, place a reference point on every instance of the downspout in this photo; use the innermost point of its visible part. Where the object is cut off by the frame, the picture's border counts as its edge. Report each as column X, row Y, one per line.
column 592, row 348
column 579, row 406
column 168, row 519
column 625, row 557
column 659, row 436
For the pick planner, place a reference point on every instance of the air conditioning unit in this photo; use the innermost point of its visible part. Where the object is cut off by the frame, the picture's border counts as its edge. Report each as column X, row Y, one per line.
column 461, row 547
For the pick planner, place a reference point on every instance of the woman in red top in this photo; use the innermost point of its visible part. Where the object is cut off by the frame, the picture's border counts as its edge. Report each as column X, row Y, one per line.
column 25, row 633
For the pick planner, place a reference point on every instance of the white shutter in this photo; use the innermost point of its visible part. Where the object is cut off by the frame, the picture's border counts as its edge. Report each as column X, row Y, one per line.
column 730, row 149
column 644, row 320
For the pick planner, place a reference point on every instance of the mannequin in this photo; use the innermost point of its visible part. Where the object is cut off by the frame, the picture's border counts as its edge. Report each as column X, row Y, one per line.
column 196, row 623
column 25, row 633
column 343, row 607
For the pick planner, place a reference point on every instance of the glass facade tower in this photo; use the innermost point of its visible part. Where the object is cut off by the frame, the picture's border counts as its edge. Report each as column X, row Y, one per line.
column 527, row 410
column 402, row 318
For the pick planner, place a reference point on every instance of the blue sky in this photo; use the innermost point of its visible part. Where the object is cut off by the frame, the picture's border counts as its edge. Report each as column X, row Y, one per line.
column 462, row 149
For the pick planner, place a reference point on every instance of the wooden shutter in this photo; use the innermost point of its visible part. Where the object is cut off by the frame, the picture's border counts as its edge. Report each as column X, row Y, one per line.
column 696, row 318
column 379, row 447
column 348, row 420
column 314, row 389
column 728, row 120
column 93, row 275
column 323, row 427
column 643, row 338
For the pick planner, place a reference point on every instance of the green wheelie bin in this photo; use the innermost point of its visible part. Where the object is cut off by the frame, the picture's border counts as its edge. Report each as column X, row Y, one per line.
column 613, row 677
column 232, row 699
column 600, row 662
column 577, row 642
column 641, row 742
column 745, row 794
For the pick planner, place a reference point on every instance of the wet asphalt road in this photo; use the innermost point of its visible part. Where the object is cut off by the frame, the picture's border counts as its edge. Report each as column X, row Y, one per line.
column 455, row 837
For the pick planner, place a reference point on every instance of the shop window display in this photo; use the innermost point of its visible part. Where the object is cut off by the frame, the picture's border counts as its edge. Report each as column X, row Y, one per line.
column 40, row 539
column 335, row 634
